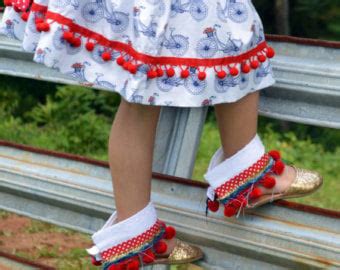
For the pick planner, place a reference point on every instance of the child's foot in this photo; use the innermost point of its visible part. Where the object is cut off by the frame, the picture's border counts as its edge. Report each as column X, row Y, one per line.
column 283, row 181
column 293, row 182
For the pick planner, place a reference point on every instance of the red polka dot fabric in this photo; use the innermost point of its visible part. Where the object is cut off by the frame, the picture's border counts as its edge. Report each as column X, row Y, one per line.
column 233, row 184
column 134, row 244
column 21, row 4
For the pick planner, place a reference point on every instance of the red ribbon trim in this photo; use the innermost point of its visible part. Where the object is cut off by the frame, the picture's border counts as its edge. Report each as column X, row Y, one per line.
column 154, row 60
column 38, row 8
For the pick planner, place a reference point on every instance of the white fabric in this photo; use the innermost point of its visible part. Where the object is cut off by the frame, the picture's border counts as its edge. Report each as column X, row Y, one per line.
column 154, row 27
column 112, row 233
column 220, row 171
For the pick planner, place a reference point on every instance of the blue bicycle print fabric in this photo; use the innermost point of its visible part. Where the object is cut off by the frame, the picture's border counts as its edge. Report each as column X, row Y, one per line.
column 179, row 29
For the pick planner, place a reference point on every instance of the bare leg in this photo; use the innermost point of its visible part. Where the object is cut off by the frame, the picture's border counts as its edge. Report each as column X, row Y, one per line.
column 131, row 146
column 237, row 123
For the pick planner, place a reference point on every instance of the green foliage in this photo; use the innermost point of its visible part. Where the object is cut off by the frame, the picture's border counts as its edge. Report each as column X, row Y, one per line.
column 308, row 18
column 315, row 19
column 72, row 119
column 19, row 95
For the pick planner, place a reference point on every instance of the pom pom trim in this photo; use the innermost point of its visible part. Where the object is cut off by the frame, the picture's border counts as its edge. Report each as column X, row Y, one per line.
column 236, row 192
column 158, row 65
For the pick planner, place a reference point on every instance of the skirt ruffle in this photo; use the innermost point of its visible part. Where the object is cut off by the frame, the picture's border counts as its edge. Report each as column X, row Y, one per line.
column 178, row 53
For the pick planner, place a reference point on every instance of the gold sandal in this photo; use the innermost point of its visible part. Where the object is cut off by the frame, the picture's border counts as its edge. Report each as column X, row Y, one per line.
column 182, row 253
column 137, row 241
column 306, row 182
column 236, row 193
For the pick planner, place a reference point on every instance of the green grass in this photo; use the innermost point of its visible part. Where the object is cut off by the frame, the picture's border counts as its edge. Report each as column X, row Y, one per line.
column 37, row 226
column 304, row 153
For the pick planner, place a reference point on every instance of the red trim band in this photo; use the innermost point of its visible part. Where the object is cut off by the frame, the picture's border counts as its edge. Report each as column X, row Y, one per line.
column 38, row 8
column 133, row 245
column 154, row 60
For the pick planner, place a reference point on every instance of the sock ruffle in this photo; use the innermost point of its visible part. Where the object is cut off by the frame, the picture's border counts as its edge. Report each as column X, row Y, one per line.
column 235, row 181
column 130, row 243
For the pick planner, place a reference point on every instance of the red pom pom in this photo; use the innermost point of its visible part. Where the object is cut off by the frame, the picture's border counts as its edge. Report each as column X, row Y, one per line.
column 24, row 16
column 120, row 60
column 262, row 58
column 106, row 56
column 213, row 205
column 126, row 65
column 185, row 73
column 133, row 69
column 254, row 64
column 245, row 68
column 237, row 203
column 17, row 9
column 275, row 154
column 233, row 71
column 278, row 167
column 8, row 3
column 134, row 265
column 75, row 42
column 95, row 262
column 68, row 36
column 152, row 74
column 255, row 193
column 39, row 20
column 43, row 27
column 221, row 74
column 270, row 52
column 89, row 46
column 162, row 223
column 116, row 267
column 268, row 181
column 170, row 232
column 202, row 75
column 229, row 211
column 160, row 72
column 170, row 72
column 160, row 247
column 148, row 256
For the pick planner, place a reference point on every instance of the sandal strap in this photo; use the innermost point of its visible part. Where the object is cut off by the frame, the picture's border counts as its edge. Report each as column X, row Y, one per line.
column 235, row 192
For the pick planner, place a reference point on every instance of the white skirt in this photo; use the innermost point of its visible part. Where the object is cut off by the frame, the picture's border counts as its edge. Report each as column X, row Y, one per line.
column 183, row 53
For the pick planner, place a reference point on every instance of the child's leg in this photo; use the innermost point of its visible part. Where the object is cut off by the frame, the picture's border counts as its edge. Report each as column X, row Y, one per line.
column 131, row 145
column 133, row 235
column 237, row 124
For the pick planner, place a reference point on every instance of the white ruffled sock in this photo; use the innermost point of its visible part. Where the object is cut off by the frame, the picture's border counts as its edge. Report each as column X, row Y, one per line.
column 219, row 170
column 113, row 234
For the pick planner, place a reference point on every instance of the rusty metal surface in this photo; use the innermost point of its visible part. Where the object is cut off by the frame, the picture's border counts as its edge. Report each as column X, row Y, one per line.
column 78, row 195
column 12, row 262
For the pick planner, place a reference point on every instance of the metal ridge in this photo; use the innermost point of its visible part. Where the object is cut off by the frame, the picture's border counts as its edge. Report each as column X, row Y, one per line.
column 165, row 177
column 304, row 41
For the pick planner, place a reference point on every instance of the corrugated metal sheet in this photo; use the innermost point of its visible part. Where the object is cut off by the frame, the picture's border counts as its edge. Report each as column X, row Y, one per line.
column 78, row 195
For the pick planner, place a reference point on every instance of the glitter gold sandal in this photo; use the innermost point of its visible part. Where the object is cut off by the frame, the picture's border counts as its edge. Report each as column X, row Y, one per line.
column 242, row 191
column 138, row 241
column 306, row 182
